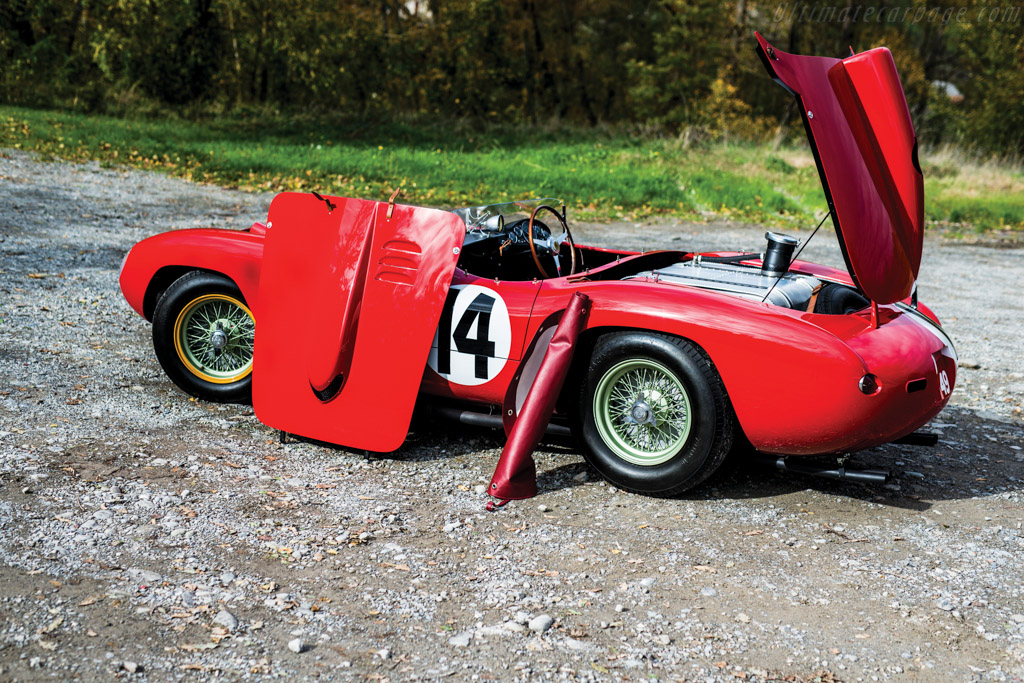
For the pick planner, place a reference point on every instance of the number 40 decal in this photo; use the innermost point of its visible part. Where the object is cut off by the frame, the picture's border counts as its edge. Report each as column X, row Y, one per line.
column 473, row 336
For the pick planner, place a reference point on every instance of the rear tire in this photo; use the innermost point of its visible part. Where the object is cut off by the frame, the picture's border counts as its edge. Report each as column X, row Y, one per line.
column 203, row 335
column 836, row 299
column 653, row 414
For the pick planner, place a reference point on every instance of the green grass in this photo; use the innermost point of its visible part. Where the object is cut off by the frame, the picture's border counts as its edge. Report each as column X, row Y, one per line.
column 600, row 174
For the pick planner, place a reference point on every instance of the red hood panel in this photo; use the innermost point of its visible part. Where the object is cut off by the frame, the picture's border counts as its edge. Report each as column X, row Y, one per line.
column 860, row 130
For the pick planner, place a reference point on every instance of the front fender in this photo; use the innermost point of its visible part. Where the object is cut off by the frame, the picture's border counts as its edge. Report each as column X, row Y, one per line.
column 235, row 254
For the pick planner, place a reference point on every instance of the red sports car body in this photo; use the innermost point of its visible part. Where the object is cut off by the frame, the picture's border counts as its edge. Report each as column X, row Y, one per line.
column 364, row 308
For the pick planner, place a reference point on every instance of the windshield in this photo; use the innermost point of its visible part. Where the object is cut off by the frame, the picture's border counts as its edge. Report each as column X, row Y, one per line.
column 475, row 217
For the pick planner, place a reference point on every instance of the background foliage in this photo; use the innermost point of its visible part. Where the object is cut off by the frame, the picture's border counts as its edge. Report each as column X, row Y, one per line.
column 682, row 67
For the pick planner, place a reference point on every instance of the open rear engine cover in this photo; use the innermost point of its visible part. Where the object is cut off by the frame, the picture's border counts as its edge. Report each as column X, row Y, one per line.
column 349, row 300
column 859, row 126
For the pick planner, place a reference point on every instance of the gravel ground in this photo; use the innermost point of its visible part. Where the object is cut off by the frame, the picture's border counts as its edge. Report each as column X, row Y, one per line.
column 147, row 535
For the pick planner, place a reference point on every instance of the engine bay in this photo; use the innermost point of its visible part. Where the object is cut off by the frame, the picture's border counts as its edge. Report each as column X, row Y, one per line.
column 790, row 290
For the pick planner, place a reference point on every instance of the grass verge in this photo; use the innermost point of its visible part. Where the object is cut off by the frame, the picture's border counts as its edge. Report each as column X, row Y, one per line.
column 601, row 175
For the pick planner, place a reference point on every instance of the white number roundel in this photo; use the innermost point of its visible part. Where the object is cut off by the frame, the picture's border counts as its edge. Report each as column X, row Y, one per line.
column 473, row 337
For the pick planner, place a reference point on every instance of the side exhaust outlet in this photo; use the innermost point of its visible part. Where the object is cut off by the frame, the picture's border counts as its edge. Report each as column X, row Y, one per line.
column 863, row 476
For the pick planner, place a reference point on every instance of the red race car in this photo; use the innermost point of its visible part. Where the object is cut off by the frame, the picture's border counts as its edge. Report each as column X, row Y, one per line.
column 364, row 307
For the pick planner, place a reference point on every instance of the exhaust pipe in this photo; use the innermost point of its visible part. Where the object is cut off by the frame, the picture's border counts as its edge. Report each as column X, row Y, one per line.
column 918, row 439
column 470, row 417
column 862, row 476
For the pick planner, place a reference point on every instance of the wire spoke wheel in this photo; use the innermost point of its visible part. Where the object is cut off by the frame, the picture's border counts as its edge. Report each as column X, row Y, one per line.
column 652, row 413
column 213, row 337
column 642, row 411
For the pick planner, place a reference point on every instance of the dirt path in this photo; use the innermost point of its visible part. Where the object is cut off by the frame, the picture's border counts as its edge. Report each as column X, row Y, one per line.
column 150, row 536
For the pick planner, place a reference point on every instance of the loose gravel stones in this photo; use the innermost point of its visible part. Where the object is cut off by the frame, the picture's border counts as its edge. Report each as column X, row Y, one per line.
column 135, row 521
column 226, row 619
column 541, row 623
column 461, row 640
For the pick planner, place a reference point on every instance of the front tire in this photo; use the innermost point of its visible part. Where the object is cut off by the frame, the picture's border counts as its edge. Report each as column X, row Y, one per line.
column 653, row 413
column 203, row 334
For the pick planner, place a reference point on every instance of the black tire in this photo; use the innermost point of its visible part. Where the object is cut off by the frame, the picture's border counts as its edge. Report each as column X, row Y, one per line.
column 183, row 292
column 712, row 421
column 835, row 299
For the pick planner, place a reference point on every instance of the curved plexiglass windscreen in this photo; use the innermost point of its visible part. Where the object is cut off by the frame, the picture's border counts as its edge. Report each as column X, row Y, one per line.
column 476, row 217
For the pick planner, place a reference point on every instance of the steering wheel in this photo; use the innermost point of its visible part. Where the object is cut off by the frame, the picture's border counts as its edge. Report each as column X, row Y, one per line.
column 551, row 243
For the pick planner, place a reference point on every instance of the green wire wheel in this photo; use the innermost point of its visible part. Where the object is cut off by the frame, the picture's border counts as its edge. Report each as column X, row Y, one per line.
column 213, row 335
column 204, row 335
column 642, row 411
column 653, row 415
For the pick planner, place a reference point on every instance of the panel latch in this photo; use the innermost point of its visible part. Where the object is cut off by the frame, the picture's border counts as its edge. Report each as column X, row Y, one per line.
column 391, row 201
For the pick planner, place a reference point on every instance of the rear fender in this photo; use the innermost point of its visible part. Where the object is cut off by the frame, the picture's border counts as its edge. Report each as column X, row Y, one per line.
column 154, row 263
column 784, row 376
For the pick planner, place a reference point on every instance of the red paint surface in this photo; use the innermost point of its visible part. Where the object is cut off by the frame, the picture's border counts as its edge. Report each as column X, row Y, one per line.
column 518, row 298
column 301, row 328
column 860, row 126
column 235, row 254
column 791, row 376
